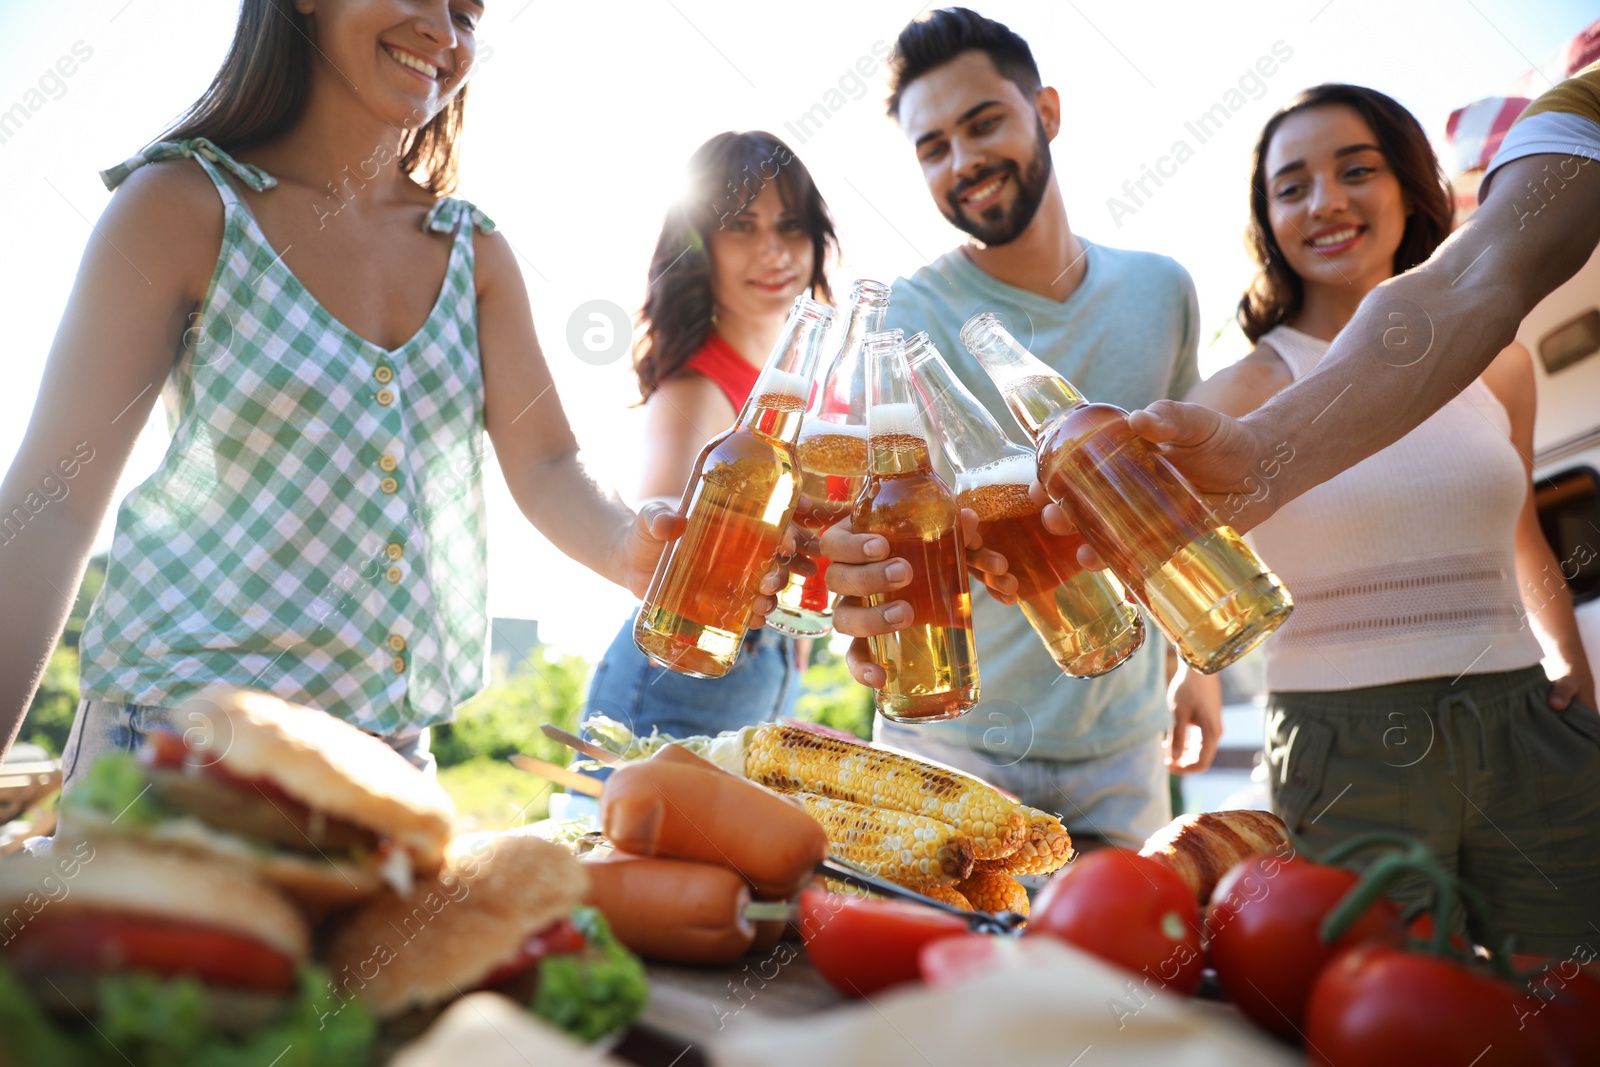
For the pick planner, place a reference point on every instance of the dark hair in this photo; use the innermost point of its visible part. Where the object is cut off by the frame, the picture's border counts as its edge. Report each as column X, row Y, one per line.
column 260, row 91
column 725, row 175
column 935, row 38
column 1276, row 293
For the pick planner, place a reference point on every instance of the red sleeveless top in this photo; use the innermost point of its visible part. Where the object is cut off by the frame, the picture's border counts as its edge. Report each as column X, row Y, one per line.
column 726, row 368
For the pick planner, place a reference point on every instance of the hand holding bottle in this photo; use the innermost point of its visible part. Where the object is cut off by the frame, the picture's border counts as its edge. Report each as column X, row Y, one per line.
column 862, row 567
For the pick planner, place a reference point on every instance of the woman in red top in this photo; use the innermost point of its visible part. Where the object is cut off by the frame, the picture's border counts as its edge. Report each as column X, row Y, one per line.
column 751, row 235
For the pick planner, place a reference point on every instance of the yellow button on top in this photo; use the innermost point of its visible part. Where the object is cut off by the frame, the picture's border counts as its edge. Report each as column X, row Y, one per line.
column 385, row 397
column 398, row 664
column 387, row 463
column 389, row 485
column 393, row 574
column 394, row 551
column 385, row 375
column 397, row 643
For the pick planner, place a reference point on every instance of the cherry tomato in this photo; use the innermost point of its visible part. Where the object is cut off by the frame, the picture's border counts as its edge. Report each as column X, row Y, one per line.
column 862, row 946
column 95, row 941
column 1376, row 1005
column 1263, row 925
column 1129, row 911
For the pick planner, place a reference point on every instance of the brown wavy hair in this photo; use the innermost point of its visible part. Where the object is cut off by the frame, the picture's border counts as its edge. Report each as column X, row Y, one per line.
column 260, row 91
column 1276, row 293
column 725, row 175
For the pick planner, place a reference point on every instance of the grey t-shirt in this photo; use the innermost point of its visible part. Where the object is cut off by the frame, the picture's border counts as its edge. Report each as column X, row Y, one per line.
column 1127, row 335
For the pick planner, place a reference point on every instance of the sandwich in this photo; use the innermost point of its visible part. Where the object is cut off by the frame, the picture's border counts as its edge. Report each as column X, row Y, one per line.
column 310, row 803
column 505, row 914
column 113, row 951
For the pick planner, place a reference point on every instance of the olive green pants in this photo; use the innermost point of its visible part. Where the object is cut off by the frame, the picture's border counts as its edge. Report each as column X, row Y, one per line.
column 1503, row 789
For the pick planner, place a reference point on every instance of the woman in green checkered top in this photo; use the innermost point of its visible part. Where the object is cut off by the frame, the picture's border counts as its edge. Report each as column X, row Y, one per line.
column 316, row 527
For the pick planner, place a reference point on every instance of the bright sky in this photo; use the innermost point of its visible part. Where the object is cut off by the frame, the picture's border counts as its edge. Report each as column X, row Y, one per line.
column 583, row 115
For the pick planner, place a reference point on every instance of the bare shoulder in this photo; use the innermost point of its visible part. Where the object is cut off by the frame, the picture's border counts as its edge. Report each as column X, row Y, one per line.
column 167, row 219
column 1241, row 387
column 495, row 262
column 690, row 398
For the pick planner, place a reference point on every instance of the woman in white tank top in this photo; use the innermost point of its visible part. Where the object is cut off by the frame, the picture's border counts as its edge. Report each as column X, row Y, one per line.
column 1405, row 691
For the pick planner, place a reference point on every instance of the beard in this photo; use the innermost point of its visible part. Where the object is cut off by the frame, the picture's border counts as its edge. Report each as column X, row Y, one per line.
column 998, row 225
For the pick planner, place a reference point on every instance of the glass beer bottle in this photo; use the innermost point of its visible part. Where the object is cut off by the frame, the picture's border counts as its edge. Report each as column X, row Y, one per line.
column 931, row 665
column 1082, row 616
column 1207, row 591
column 833, row 460
column 740, row 499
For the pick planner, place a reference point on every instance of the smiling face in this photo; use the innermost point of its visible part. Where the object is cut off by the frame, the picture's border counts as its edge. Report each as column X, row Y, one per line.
column 404, row 59
column 761, row 258
column 1336, row 207
column 983, row 144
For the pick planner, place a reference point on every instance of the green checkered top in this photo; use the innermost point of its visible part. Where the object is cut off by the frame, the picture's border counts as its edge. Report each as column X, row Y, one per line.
column 316, row 527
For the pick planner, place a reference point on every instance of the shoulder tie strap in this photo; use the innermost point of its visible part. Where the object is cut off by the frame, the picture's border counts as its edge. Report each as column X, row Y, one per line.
column 194, row 148
column 450, row 213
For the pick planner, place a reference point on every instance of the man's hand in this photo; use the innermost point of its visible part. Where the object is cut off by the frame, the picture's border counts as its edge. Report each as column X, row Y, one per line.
column 1226, row 459
column 1196, row 701
column 860, row 566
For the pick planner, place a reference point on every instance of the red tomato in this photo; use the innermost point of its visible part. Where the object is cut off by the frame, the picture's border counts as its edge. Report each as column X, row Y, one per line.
column 952, row 960
column 1263, row 925
column 1376, row 1005
column 98, row 941
column 861, row 946
column 1128, row 910
column 557, row 939
column 1564, row 997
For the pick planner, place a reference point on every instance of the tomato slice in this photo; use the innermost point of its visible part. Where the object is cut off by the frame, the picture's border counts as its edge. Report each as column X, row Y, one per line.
column 559, row 938
column 94, row 941
column 1130, row 911
column 862, row 946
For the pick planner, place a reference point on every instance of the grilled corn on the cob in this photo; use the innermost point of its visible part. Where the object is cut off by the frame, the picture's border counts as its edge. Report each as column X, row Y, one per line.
column 1046, row 848
column 911, row 850
column 995, row 893
column 798, row 760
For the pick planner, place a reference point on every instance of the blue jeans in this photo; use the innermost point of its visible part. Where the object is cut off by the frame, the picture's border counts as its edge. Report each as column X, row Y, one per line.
column 104, row 727
column 762, row 686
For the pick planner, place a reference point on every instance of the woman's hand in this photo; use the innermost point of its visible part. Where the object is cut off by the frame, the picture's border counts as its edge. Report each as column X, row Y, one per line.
column 1055, row 521
column 1576, row 684
column 860, row 566
column 1196, row 701
column 637, row 553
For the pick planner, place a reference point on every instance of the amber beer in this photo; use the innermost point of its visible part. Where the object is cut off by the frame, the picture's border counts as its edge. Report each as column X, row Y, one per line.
column 740, row 499
column 1083, row 617
column 931, row 665
column 833, row 460
column 1206, row 590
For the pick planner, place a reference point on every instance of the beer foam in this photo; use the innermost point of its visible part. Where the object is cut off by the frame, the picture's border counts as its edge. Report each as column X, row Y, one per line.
column 901, row 419
column 1010, row 470
column 816, row 427
column 782, row 383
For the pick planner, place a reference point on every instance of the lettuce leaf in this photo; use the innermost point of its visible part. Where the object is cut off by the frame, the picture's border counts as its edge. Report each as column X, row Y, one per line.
column 595, row 992
column 147, row 1021
column 116, row 787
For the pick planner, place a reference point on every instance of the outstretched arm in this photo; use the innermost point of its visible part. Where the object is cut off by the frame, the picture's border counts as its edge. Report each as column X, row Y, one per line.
column 143, row 272
column 1417, row 340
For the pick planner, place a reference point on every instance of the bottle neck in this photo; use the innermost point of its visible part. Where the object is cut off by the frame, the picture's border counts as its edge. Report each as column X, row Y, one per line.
column 967, row 432
column 1038, row 400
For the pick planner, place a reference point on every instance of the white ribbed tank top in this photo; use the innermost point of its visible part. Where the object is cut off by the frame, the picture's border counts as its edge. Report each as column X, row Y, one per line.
column 1403, row 566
